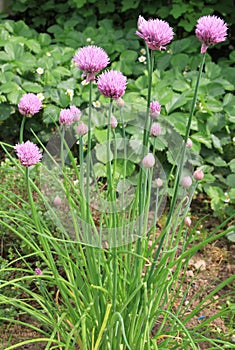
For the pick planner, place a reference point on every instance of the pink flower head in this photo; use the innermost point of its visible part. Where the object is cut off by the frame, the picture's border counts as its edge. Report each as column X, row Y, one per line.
column 66, row 117
column 82, row 129
column 148, row 161
column 156, row 33
column 155, row 129
column 29, row 105
column 28, row 153
column 76, row 113
column 155, row 109
column 198, row 175
column 210, row 30
column 112, row 84
column 91, row 59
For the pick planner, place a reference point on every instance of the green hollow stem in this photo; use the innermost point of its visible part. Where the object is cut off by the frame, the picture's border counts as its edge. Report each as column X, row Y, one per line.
column 180, row 169
column 88, row 154
column 31, row 201
column 22, row 129
column 142, row 174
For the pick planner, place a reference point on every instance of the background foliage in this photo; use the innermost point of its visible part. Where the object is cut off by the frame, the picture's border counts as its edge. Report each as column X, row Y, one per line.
column 47, row 36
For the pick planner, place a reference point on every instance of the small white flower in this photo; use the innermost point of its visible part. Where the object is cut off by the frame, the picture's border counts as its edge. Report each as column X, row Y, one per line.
column 96, row 104
column 70, row 93
column 227, row 199
column 142, row 59
column 88, row 40
column 40, row 70
column 48, row 54
column 40, row 96
column 143, row 51
column 84, row 82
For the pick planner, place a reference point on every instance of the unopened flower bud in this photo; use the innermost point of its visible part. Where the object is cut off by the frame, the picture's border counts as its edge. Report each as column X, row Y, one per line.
column 187, row 221
column 82, row 129
column 113, row 122
column 155, row 109
column 186, row 181
column 189, row 143
column 148, row 161
column 38, row 271
column 120, row 102
column 159, row 182
column 155, row 129
column 198, row 175
column 57, row 201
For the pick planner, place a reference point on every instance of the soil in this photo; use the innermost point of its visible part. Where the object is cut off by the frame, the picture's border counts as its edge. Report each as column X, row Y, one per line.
column 210, row 266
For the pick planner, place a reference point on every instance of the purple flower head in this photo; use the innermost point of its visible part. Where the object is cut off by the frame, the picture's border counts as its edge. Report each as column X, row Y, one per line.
column 28, row 153
column 155, row 129
column 112, row 84
column 210, row 30
column 154, row 109
column 156, row 33
column 91, row 59
column 66, row 117
column 148, row 161
column 76, row 113
column 29, row 105
column 82, row 129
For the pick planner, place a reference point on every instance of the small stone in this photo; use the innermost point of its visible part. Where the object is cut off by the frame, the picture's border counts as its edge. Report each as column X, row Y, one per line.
column 200, row 264
column 189, row 273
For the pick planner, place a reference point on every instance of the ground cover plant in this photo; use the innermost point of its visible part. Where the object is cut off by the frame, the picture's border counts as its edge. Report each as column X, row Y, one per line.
column 97, row 273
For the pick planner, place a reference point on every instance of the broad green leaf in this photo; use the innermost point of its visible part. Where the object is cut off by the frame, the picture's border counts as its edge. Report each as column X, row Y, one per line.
column 14, row 96
column 216, row 143
column 214, row 105
column 99, row 170
column 5, row 111
column 58, row 71
column 44, row 39
column 101, row 153
column 9, row 87
column 216, row 161
column 32, row 87
column 180, row 61
column 212, row 70
column 202, row 138
column 33, row 45
column 232, row 165
column 215, row 89
column 100, row 135
column 119, row 169
column 231, row 180
column 176, row 102
column 50, row 114
column 180, row 85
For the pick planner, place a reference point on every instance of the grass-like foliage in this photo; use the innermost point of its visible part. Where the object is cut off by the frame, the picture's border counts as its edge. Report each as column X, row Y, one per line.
column 98, row 272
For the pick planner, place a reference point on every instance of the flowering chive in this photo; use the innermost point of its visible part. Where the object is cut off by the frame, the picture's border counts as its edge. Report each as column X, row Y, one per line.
column 91, row 59
column 29, row 104
column 156, row 33
column 112, row 84
column 28, row 153
column 210, row 30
